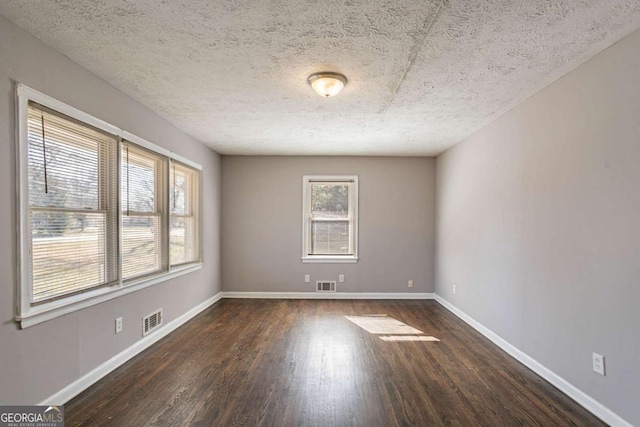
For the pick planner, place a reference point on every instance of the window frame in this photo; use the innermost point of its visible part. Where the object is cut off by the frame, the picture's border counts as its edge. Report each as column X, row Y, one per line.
column 103, row 204
column 196, row 207
column 29, row 314
column 159, row 211
column 307, row 180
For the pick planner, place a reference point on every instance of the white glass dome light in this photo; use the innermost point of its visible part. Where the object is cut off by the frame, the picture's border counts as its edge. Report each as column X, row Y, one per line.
column 327, row 84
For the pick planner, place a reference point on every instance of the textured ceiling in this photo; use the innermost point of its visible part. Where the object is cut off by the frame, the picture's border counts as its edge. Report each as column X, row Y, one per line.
column 423, row 74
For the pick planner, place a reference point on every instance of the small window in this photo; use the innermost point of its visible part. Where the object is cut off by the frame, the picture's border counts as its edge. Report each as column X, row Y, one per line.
column 183, row 234
column 142, row 180
column 330, row 219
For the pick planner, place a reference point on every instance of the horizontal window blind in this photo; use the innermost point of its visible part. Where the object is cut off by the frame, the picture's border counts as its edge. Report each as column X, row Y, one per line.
column 141, row 183
column 331, row 217
column 101, row 210
column 72, row 174
column 184, row 206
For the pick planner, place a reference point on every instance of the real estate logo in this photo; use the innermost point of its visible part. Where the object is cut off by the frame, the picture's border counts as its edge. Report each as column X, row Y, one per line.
column 31, row 416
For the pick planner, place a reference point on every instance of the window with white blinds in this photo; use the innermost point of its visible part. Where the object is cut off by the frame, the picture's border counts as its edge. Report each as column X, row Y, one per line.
column 141, row 183
column 101, row 211
column 183, row 225
column 330, row 209
column 72, row 173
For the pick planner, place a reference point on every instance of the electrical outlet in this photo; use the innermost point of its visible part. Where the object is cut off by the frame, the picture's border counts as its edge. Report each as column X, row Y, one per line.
column 341, row 278
column 454, row 289
column 118, row 325
column 410, row 283
column 307, row 278
column 598, row 364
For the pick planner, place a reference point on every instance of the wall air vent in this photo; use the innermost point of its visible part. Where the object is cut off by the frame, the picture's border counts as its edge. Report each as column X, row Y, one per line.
column 325, row 286
column 151, row 322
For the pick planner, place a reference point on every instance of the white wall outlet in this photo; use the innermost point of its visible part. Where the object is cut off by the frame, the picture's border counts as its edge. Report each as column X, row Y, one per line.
column 118, row 325
column 410, row 283
column 341, row 278
column 454, row 289
column 598, row 364
column 307, row 278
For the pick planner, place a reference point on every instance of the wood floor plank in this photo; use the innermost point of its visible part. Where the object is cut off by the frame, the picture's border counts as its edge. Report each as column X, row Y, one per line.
column 302, row 363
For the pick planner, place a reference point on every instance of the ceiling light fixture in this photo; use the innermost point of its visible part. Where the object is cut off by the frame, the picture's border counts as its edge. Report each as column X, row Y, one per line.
column 326, row 83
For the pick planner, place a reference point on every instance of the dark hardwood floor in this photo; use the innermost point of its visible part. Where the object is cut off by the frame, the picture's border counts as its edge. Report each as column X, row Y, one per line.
column 302, row 363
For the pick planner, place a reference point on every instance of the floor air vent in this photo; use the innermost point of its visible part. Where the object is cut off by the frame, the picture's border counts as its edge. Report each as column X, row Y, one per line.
column 151, row 322
column 325, row 286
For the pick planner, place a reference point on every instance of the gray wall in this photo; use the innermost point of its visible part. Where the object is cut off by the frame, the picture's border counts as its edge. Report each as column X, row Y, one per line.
column 262, row 224
column 538, row 226
column 41, row 360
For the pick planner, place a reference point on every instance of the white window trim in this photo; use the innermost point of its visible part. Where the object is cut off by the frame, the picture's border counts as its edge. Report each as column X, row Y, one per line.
column 306, row 201
column 29, row 315
column 197, row 214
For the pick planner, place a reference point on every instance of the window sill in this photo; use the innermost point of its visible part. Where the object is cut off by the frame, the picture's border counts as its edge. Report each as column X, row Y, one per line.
column 42, row 313
column 330, row 259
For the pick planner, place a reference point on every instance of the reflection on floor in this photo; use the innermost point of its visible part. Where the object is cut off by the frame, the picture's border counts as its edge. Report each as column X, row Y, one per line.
column 392, row 329
column 409, row 338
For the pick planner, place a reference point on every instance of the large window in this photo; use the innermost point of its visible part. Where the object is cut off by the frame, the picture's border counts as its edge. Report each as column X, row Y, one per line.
column 330, row 219
column 72, row 205
column 102, row 212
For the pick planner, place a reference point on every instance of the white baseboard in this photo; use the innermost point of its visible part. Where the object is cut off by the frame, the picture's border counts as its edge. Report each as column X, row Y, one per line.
column 589, row 403
column 81, row 384
column 327, row 295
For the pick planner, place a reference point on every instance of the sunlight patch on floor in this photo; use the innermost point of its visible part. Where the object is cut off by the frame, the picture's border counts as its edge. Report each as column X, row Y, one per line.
column 382, row 325
column 390, row 328
column 408, row 338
